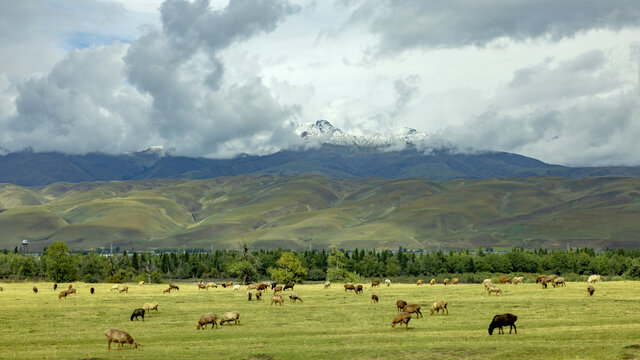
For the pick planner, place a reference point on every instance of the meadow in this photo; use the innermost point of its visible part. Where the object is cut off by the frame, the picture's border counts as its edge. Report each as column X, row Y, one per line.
column 561, row 323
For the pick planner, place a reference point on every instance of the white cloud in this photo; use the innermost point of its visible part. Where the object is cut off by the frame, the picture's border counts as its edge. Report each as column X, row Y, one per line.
column 166, row 87
column 553, row 80
column 580, row 111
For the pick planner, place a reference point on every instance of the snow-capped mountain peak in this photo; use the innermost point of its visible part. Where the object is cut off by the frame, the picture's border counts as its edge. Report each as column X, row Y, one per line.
column 324, row 132
column 320, row 128
column 157, row 150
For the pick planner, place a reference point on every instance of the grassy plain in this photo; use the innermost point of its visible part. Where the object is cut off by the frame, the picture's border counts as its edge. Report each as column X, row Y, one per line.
column 563, row 323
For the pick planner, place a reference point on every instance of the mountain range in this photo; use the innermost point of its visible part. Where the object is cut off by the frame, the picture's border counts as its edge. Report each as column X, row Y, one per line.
column 336, row 189
column 327, row 152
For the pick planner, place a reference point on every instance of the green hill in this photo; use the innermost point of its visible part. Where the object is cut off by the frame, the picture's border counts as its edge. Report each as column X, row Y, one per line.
column 300, row 211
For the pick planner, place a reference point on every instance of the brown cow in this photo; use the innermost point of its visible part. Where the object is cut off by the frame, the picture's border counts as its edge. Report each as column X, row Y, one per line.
column 504, row 280
column 375, row 283
column 120, row 337
column 402, row 318
column 437, row 306
column 349, row 287
column 293, row 297
column 262, row 286
column 277, row 299
column 419, row 282
column 413, row 308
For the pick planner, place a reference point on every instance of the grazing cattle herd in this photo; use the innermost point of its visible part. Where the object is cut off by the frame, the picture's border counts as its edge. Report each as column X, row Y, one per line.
column 403, row 316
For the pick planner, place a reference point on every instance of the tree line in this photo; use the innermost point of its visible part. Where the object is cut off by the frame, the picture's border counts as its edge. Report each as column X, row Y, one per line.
column 57, row 263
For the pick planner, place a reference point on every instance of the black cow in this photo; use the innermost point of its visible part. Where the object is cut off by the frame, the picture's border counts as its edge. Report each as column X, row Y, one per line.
column 289, row 285
column 136, row 313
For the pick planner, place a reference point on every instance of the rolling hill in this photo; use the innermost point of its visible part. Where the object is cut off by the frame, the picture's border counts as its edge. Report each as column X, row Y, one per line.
column 296, row 212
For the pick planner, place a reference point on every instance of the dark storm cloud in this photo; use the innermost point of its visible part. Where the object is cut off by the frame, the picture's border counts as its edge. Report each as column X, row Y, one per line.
column 406, row 24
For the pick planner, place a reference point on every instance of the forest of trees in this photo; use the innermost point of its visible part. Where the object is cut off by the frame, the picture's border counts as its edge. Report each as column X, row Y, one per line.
column 58, row 263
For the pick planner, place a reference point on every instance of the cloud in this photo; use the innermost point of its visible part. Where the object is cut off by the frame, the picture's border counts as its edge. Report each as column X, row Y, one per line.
column 408, row 24
column 180, row 68
column 36, row 34
column 165, row 88
column 547, row 79
column 406, row 89
column 579, row 111
column 82, row 105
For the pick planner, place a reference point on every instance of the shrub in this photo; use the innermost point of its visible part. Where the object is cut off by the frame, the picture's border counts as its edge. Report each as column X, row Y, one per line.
column 342, row 275
column 119, row 277
column 156, row 277
column 316, row 274
column 633, row 272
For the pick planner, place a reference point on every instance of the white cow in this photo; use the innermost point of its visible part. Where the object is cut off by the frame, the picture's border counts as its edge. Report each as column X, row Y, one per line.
column 594, row 278
column 487, row 283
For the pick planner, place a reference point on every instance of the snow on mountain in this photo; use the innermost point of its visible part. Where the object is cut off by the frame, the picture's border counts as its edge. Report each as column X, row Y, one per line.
column 4, row 151
column 157, row 150
column 324, row 132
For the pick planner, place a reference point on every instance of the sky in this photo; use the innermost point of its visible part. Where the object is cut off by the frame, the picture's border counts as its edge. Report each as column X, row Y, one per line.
column 555, row 80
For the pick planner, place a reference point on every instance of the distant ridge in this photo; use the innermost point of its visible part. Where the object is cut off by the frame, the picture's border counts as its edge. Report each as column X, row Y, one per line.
column 330, row 152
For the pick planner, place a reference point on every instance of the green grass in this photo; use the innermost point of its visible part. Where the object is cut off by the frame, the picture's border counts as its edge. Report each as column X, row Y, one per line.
column 561, row 323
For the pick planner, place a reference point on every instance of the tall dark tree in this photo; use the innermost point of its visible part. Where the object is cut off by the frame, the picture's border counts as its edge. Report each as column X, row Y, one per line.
column 135, row 262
